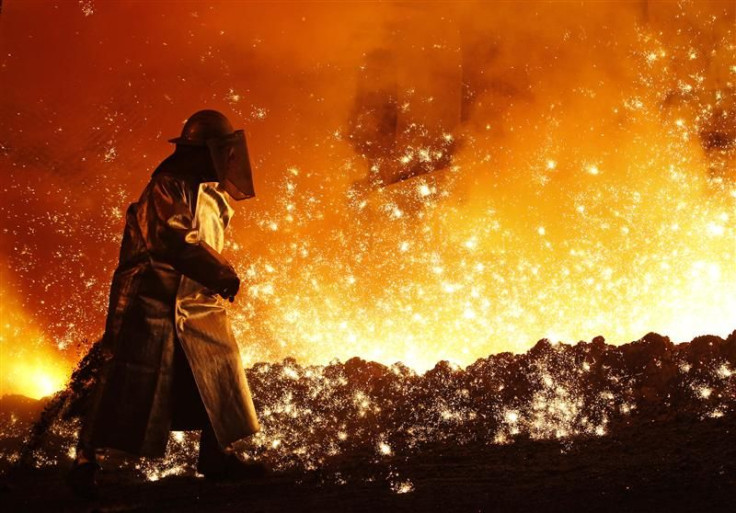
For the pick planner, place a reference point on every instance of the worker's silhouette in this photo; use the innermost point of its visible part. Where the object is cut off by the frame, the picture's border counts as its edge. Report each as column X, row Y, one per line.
column 171, row 359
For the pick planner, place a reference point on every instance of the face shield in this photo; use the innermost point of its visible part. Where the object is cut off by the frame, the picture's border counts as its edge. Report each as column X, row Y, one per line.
column 230, row 157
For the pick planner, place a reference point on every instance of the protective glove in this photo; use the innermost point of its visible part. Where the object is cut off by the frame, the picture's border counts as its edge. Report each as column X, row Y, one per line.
column 230, row 288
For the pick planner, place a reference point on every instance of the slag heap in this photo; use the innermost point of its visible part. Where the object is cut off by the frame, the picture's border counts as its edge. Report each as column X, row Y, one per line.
column 554, row 391
column 324, row 416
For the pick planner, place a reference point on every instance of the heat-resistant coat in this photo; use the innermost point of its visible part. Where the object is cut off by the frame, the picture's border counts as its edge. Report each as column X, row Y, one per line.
column 162, row 290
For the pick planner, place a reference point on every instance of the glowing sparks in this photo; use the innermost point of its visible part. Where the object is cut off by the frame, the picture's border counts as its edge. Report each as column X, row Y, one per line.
column 424, row 190
column 511, row 417
column 232, row 97
column 401, row 487
column 582, row 202
column 384, row 449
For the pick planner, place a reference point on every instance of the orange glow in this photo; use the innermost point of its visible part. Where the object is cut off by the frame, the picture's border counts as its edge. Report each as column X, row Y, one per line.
column 28, row 364
column 583, row 161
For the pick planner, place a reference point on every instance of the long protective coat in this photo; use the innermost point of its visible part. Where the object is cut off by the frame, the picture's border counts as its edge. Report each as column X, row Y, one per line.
column 162, row 290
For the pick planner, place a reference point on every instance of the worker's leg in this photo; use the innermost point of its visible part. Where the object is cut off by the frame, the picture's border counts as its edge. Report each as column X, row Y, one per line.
column 218, row 463
column 82, row 478
column 187, row 410
column 212, row 458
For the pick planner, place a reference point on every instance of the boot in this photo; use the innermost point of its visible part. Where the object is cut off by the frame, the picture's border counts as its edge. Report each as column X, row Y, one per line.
column 233, row 468
column 219, row 465
column 82, row 479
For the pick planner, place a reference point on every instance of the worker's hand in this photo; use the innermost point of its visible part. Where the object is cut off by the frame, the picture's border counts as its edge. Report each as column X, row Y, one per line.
column 230, row 287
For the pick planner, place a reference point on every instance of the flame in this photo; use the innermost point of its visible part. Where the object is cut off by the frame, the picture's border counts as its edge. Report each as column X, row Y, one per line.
column 36, row 376
column 596, row 207
column 27, row 364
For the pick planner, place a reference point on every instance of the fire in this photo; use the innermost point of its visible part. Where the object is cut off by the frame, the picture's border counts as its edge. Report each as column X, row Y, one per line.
column 36, row 379
column 600, row 211
column 30, row 367
column 434, row 182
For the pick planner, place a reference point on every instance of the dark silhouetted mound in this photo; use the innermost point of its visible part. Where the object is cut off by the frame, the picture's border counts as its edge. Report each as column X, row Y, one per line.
column 317, row 416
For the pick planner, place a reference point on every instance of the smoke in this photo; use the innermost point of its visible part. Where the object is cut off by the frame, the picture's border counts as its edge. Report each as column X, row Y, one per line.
column 434, row 180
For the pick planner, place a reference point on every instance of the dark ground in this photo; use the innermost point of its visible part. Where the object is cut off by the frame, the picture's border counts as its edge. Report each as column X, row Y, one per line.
column 672, row 466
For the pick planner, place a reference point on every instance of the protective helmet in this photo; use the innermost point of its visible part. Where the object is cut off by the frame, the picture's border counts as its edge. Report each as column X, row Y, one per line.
column 203, row 125
column 227, row 147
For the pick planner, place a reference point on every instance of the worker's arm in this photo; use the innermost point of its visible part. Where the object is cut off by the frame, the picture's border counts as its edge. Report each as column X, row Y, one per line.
column 166, row 220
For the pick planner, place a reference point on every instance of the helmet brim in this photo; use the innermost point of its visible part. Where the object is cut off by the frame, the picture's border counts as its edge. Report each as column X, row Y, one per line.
column 182, row 141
